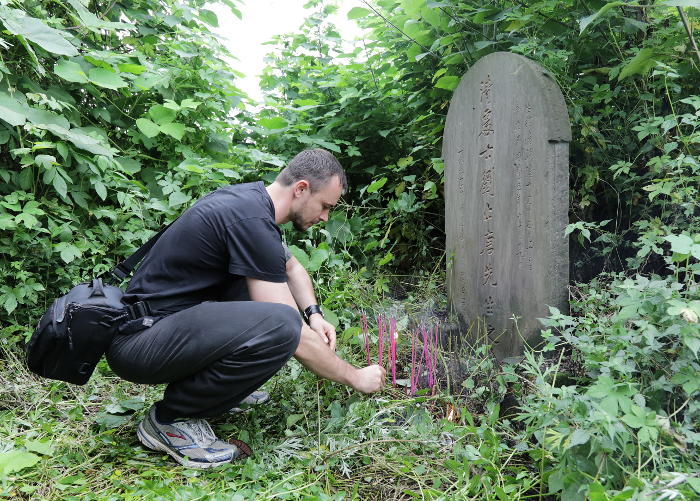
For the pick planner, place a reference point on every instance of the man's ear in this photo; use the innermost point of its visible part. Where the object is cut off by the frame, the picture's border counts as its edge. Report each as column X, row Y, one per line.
column 300, row 187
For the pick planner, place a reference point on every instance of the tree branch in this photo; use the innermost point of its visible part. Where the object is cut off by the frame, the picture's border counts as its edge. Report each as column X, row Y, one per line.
column 399, row 30
column 684, row 18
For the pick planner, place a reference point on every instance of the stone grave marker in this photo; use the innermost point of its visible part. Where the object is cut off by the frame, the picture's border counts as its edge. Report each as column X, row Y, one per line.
column 506, row 153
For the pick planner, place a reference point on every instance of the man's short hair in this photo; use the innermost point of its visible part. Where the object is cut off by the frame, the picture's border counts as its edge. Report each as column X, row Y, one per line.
column 316, row 166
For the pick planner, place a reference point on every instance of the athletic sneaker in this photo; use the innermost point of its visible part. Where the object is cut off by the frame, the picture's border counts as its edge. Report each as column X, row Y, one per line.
column 191, row 438
column 256, row 398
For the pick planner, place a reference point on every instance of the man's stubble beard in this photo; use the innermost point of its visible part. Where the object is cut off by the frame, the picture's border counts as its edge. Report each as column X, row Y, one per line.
column 298, row 219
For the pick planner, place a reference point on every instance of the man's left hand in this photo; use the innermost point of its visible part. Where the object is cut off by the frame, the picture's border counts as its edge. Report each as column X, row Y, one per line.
column 324, row 329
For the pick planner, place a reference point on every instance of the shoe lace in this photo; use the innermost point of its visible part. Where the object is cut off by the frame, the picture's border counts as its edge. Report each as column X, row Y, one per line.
column 203, row 431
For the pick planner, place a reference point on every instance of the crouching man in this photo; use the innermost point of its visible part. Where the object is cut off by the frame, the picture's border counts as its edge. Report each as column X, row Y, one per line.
column 225, row 296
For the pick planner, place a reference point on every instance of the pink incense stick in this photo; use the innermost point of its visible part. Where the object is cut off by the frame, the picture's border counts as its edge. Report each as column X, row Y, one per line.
column 426, row 355
column 381, row 338
column 414, row 381
column 365, row 332
column 392, row 334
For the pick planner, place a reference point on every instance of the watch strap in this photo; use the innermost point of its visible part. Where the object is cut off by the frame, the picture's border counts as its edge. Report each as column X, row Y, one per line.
column 314, row 308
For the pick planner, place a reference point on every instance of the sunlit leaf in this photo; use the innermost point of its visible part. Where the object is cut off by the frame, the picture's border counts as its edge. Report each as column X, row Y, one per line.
column 357, row 13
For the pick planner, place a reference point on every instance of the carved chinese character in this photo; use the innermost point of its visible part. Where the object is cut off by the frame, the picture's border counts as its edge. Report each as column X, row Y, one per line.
column 490, row 329
column 489, row 306
column 486, row 126
column 488, row 276
column 487, row 212
column 486, row 154
column 488, row 243
column 485, row 88
column 487, row 182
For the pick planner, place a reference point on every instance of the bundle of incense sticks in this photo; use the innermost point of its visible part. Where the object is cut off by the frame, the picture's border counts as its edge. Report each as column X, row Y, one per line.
column 427, row 354
column 382, row 336
column 389, row 337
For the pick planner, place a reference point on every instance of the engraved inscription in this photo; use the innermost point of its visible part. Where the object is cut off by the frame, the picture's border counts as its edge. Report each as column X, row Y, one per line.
column 486, row 126
column 486, row 154
column 489, row 306
column 488, row 243
column 488, row 276
column 487, row 212
column 485, row 88
column 487, row 182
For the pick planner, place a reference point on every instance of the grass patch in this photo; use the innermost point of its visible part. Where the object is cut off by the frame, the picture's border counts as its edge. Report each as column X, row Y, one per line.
column 314, row 440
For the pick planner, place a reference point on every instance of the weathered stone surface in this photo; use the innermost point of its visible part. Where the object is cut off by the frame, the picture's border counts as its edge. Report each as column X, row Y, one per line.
column 506, row 153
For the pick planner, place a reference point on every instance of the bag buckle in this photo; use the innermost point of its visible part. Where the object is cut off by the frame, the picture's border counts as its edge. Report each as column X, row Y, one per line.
column 138, row 310
column 115, row 276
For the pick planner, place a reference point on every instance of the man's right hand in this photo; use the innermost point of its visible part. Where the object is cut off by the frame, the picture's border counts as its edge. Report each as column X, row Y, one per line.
column 369, row 379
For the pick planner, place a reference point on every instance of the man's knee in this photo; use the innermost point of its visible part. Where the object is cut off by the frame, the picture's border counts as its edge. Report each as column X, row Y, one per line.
column 286, row 323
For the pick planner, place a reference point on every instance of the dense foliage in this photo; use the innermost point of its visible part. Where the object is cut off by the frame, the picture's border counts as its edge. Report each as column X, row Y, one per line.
column 115, row 115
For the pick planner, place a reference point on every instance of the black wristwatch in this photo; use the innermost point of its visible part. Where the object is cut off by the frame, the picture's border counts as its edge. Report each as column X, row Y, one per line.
column 314, row 308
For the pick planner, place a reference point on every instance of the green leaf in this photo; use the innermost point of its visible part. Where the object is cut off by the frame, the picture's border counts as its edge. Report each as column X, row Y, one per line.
column 293, row 418
column 317, row 258
column 68, row 70
column 79, row 198
column 404, row 161
column 357, row 13
column 413, row 52
column 448, row 83
column 7, row 221
column 148, row 128
column 130, row 165
column 105, row 78
column 136, row 69
column 45, row 161
column 177, row 198
column 32, row 207
column 43, row 448
column 680, row 244
column 693, row 344
column 301, row 256
column 439, row 73
column 44, row 117
column 641, row 63
column 11, row 111
column 10, row 306
column 331, row 317
column 44, row 36
column 100, row 189
column 209, row 17
column 585, row 21
column 375, row 186
column 385, row 259
column 161, row 114
column 26, row 178
column 272, row 123
column 175, row 130
column 16, row 460
column 60, row 185
column 69, row 253
column 579, row 437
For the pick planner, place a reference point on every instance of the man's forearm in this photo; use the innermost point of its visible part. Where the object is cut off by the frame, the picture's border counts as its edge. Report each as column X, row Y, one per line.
column 316, row 356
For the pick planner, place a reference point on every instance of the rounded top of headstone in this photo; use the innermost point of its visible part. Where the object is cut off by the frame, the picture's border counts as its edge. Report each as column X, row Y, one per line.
column 522, row 75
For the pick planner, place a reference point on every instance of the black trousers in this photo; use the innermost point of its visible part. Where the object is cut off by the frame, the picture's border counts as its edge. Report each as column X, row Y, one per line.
column 212, row 355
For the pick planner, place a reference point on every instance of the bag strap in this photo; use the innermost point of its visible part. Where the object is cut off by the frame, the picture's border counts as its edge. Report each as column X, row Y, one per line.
column 124, row 269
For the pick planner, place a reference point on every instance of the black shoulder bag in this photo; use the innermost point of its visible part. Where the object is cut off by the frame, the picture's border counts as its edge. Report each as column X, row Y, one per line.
column 78, row 328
